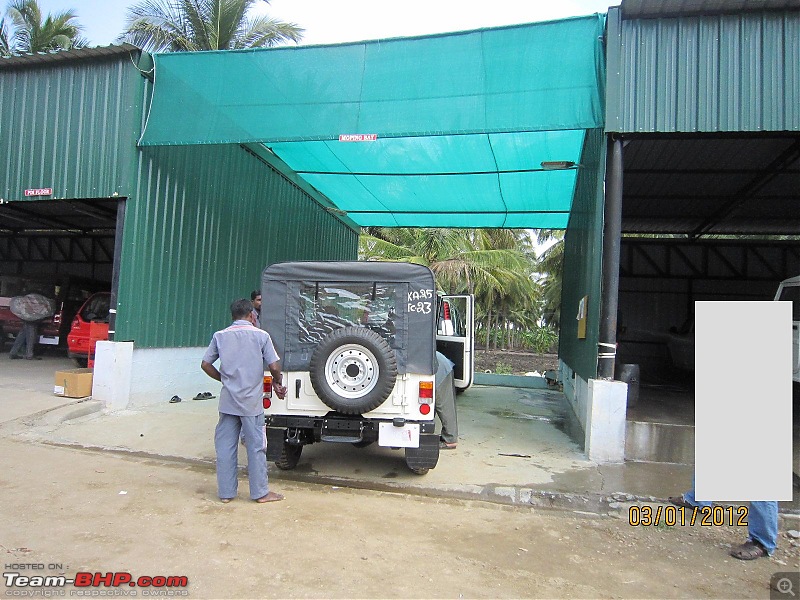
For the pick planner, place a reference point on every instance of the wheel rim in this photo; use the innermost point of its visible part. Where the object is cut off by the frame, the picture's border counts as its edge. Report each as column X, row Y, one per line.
column 352, row 371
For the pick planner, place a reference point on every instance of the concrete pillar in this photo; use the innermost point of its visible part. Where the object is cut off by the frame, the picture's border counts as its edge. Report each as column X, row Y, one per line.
column 605, row 421
column 111, row 384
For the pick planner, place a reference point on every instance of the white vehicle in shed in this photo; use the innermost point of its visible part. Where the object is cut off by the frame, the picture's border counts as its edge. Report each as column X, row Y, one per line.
column 789, row 290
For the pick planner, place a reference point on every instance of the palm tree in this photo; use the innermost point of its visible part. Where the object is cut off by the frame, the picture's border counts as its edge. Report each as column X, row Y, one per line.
column 28, row 33
column 551, row 269
column 461, row 259
column 5, row 39
column 495, row 265
column 190, row 25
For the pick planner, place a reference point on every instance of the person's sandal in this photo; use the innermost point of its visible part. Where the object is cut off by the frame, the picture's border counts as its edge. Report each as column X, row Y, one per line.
column 680, row 501
column 750, row 550
column 447, row 445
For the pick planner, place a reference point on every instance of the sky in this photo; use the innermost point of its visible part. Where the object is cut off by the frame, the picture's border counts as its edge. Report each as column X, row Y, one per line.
column 335, row 21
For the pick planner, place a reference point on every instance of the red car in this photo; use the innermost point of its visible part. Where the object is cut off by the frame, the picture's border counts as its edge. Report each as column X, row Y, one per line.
column 89, row 326
column 68, row 292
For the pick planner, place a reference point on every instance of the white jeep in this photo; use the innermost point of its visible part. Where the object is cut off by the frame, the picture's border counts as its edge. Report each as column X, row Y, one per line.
column 358, row 343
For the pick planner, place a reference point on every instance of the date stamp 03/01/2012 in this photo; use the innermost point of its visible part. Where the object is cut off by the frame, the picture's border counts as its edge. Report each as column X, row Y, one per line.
column 680, row 516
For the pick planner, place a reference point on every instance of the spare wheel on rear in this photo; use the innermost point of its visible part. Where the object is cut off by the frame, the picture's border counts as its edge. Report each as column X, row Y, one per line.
column 353, row 370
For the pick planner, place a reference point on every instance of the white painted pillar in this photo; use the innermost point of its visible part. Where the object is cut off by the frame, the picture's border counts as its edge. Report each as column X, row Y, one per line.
column 605, row 421
column 111, row 383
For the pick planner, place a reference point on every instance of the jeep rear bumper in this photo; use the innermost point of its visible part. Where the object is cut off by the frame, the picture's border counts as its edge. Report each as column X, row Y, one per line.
column 338, row 428
column 282, row 429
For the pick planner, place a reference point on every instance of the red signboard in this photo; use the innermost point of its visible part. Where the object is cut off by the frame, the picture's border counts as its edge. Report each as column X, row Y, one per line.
column 358, row 137
column 39, row 192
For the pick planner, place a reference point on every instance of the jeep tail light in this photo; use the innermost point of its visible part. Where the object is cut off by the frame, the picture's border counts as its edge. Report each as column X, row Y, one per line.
column 268, row 385
column 446, row 310
column 425, row 409
column 267, row 402
column 76, row 322
column 425, row 392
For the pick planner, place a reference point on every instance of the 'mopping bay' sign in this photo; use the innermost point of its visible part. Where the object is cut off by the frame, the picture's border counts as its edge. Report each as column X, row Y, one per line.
column 358, row 137
column 39, row 192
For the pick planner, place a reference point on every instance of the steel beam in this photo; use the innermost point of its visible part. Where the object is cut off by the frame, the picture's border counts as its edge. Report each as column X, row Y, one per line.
column 612, row 232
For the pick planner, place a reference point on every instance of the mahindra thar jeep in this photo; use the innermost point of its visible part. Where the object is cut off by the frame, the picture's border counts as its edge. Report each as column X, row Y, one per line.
column 358, row 343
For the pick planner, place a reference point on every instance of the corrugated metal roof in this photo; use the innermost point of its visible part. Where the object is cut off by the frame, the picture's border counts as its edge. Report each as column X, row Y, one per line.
column 61, row 56
column 741, row 185
column 715, row 73
column 645, row 9
column 72, row 128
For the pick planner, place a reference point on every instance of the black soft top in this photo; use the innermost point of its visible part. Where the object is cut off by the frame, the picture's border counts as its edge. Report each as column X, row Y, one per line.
column 415, row 306
column 351, row 270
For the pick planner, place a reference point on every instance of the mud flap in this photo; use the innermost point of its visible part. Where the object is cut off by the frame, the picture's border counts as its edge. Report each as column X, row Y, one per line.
column 275, row 438
column 427, row 455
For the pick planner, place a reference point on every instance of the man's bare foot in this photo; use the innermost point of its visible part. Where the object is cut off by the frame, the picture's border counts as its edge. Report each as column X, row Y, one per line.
column 271, row 497
column 225, row 500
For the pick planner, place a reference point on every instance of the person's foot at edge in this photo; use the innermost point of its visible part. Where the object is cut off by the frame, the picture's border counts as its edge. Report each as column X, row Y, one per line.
column 271, row 497
column 750, row 550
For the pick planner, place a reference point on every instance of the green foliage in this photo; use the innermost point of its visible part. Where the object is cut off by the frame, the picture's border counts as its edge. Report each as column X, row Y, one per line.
column 191, row 25
column 5, row 39
column 503, row 369
column 25, row 31
column 498, row 266
column 540, row 339
column 551, row 270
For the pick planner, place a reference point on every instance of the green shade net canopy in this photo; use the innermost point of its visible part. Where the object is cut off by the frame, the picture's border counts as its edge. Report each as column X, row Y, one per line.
column 437, row 131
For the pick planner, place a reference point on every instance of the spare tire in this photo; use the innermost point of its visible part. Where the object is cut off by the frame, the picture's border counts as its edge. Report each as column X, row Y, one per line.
column 32, row 307
column 353, row 370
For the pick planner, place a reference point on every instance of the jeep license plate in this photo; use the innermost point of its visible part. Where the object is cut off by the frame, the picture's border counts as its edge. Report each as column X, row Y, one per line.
column 406, row 436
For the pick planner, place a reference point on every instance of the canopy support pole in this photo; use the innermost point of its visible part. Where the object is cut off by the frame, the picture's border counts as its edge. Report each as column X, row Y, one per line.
column 612, row 232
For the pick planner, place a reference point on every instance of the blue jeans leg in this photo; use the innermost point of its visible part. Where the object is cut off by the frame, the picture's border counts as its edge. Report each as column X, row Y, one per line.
column 20, row 342
column 226, row 437
column 762, row 524
column 255, row 440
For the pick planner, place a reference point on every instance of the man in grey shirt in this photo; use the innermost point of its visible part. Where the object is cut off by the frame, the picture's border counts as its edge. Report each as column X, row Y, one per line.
column 244, row 352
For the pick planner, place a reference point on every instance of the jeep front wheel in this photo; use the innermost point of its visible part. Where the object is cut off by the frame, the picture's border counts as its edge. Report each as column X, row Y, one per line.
column 353, row 370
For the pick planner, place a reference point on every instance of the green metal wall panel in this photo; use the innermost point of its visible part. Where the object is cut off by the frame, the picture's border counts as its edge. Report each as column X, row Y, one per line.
column 583, row 249
column 200, row 227
column 735, row 72
column 70, row 126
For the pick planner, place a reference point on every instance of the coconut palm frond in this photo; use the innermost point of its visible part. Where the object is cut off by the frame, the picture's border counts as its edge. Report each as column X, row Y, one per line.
column 5, row 39
column 27, row 32
column 187, row 25
column 266, row 32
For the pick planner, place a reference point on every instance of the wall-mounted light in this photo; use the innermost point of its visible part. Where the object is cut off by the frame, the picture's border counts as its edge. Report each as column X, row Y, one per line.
column 558, row 165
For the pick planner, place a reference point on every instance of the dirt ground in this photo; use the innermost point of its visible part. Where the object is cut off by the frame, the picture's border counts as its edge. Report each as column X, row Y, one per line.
column 74, row 510
column 518, row 362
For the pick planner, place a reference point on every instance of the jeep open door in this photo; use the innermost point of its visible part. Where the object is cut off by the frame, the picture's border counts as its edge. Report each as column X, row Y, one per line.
column 454, row 336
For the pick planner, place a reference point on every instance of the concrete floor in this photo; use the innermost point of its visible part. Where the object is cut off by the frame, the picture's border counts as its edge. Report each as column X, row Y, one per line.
column 514, row 444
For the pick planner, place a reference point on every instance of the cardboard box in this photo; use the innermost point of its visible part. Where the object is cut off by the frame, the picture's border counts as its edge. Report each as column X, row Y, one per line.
column 73, row 383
